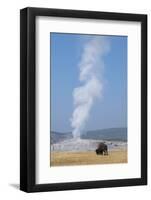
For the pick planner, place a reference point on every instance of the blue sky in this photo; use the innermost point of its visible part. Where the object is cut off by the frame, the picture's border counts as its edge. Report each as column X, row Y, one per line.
column 108, row 111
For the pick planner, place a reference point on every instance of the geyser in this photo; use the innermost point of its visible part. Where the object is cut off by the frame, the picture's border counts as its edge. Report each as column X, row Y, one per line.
column 91, row 81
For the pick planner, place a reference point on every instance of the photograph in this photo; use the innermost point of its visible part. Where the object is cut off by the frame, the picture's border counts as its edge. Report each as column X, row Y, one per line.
column 88, row 99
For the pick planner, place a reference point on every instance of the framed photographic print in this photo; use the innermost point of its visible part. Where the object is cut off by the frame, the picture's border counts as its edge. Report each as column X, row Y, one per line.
column 83, row 99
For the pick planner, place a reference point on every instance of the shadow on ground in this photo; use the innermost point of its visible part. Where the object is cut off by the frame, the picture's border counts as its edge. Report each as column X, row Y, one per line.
column 14, row 185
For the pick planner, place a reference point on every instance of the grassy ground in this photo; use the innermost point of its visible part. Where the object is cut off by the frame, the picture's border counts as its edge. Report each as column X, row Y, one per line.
column 85, row 158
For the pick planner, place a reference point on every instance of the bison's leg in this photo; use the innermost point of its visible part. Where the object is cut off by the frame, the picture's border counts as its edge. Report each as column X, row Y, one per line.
column 101, row 152
column 97, row 152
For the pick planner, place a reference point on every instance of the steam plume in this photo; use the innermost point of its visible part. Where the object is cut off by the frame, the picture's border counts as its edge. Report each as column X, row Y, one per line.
column 90, row 77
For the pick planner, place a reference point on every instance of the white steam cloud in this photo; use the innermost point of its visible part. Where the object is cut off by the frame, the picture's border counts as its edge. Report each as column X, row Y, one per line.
column 91, row 68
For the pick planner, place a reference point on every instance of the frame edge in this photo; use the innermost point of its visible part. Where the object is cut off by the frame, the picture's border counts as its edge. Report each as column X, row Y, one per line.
column 23, row 99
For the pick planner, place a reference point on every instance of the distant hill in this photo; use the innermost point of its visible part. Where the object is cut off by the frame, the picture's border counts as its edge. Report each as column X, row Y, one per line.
column 114, row 134
column 59, row 137
column 119, row 134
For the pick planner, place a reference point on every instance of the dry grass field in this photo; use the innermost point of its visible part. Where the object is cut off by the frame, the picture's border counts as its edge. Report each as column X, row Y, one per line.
column 86, row 158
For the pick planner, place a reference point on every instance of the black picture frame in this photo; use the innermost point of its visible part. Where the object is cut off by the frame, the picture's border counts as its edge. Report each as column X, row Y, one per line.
column 28, row 99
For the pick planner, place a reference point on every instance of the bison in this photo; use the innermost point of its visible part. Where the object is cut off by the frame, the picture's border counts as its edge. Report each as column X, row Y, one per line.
column 102, row 149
